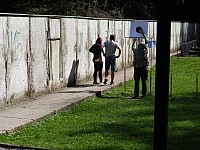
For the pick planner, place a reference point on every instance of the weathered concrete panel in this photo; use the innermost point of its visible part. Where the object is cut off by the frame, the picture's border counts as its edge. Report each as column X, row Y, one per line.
column 127, row 48
column 38, row 54
column 174, row 32
column 120, row 39
column 54, row 50
column 104, row 33
column 93, row 33
column 82, row 51
column 111, row 27
column 103, row 29
column 69, row 48
column 18, row 46
column 184, row 32
column 3, row 59
column 152, row 36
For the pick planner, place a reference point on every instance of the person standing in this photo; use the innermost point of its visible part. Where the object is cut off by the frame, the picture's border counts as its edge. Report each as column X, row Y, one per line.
column 110, row 48
column 140, row 64
column 97, row 51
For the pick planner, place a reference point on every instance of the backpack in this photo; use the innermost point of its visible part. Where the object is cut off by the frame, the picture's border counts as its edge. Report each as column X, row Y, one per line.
column 91, row 50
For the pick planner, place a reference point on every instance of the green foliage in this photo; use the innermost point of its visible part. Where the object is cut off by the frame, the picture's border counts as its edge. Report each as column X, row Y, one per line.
column 95, row 8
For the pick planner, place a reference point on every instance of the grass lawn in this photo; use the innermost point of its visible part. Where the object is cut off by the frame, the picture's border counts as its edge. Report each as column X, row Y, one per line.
column 116, row 122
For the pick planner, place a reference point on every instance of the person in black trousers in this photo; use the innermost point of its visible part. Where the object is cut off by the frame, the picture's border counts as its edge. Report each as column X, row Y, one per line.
column 97, row 51
column 140, row 64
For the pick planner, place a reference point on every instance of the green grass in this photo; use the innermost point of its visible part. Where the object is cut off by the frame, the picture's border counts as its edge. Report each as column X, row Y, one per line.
column 116, row 122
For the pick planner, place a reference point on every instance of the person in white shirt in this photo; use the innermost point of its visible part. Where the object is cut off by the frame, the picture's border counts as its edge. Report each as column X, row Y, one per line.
column 110, row 48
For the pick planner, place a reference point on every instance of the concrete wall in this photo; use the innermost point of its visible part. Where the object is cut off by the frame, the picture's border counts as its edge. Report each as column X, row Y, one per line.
column 40, row 54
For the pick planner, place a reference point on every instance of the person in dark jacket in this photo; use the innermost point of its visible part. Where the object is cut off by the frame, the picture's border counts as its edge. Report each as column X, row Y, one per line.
column 97, row 51
column 140, row 64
